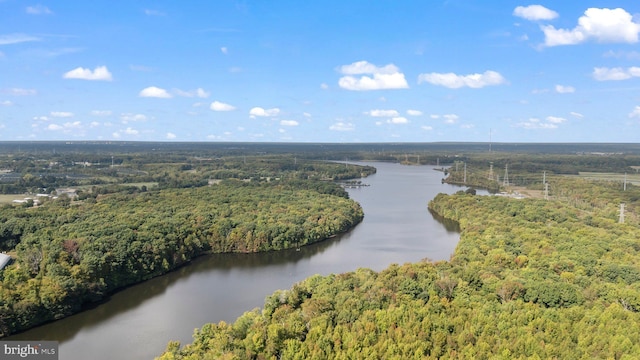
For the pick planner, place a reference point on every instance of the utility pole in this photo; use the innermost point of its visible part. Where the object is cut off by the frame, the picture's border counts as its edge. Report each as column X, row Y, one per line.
column 544, row 177
column 465, row 172
column 546, row 191
column 621, row 221
column 491, row 170
column 625, row 182
column 505, row 181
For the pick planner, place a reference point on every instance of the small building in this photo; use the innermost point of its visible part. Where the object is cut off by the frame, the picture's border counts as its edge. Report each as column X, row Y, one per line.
column 4, row 260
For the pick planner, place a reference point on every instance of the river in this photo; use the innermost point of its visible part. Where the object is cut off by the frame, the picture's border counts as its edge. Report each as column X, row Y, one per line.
column 138, row 322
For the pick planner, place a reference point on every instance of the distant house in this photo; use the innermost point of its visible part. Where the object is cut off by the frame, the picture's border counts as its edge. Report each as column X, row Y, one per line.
column 70, row 193
column 4, row 260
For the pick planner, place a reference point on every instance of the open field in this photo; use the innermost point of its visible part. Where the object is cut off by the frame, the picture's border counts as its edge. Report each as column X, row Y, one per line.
column 8, row 198
column 632, row 178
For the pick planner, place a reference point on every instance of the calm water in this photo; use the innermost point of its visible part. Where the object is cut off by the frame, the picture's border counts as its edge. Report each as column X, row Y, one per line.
column 137, row 322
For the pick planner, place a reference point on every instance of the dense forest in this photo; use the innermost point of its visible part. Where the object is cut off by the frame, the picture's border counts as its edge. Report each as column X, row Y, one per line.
column 70, row 251
column 530, row 278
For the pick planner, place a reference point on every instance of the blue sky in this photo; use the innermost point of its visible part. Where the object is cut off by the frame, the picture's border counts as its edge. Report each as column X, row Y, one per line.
column 320, row 71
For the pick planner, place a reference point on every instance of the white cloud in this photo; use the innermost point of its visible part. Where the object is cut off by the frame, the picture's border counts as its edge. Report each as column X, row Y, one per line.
column 171, row 135
column 556, row 119
column 534, row 124
column 324, row 86
column 129, row 117
column 99, row 73
column 386, row 77
column 55, row 127
column 6, row 103
column 220, row 106
column 41, row 118
column 61, row 114
column 94, row 124
column 535, row 12
column 434, row 116
column 467, row 126
column 258, row 111
column 20, row 92
column 453, row 81
column 635, row 113
column 450, row 118
column 38, row 10
column 342, row 126
column 224, row 50
column 116, row 135
column 199, row 92
column 601, row 25
column 398, row 120
column 131, row 131
column 16, row 39
column 607, row 74
column 382, row 113
column 561, row 89
column 101, row 112
column 140, row 68
column 288, row 123
column 414, row 112
column 426, row 127
column 576, row 114
column 306, row 114
column 155, row 92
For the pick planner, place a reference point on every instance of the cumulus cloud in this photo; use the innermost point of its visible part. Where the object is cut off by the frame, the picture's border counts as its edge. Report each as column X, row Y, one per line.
column 535, row 123
column 386, row 77
column 600, row 25
column 54, row 127
column 100, row 73
column 224, row 50
column 220, row 106
column 6, row 103
column 426, row 127
column 38, row 10
column 129, row 117
column 61, row 114
column 635, row 113
column 618, row 73
column 288, row 123
column 41, row 118
column 16, row 39
column 324, row 86
column 131, row 131
column 454, row 81
column 450, row 118
column 382, row 113
column 199, row 92
column 556, row 119
column 414, row 112
column 258, row 111
column 535, row 12
column 155, row 92
column 171, row 136
column 398, row 120
column 561, row 89
column 342, row 126
column 576, row 114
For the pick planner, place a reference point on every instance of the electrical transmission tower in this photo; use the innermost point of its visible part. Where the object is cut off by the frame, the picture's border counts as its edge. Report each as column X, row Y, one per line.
column 505, row 181
column 491, row 170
